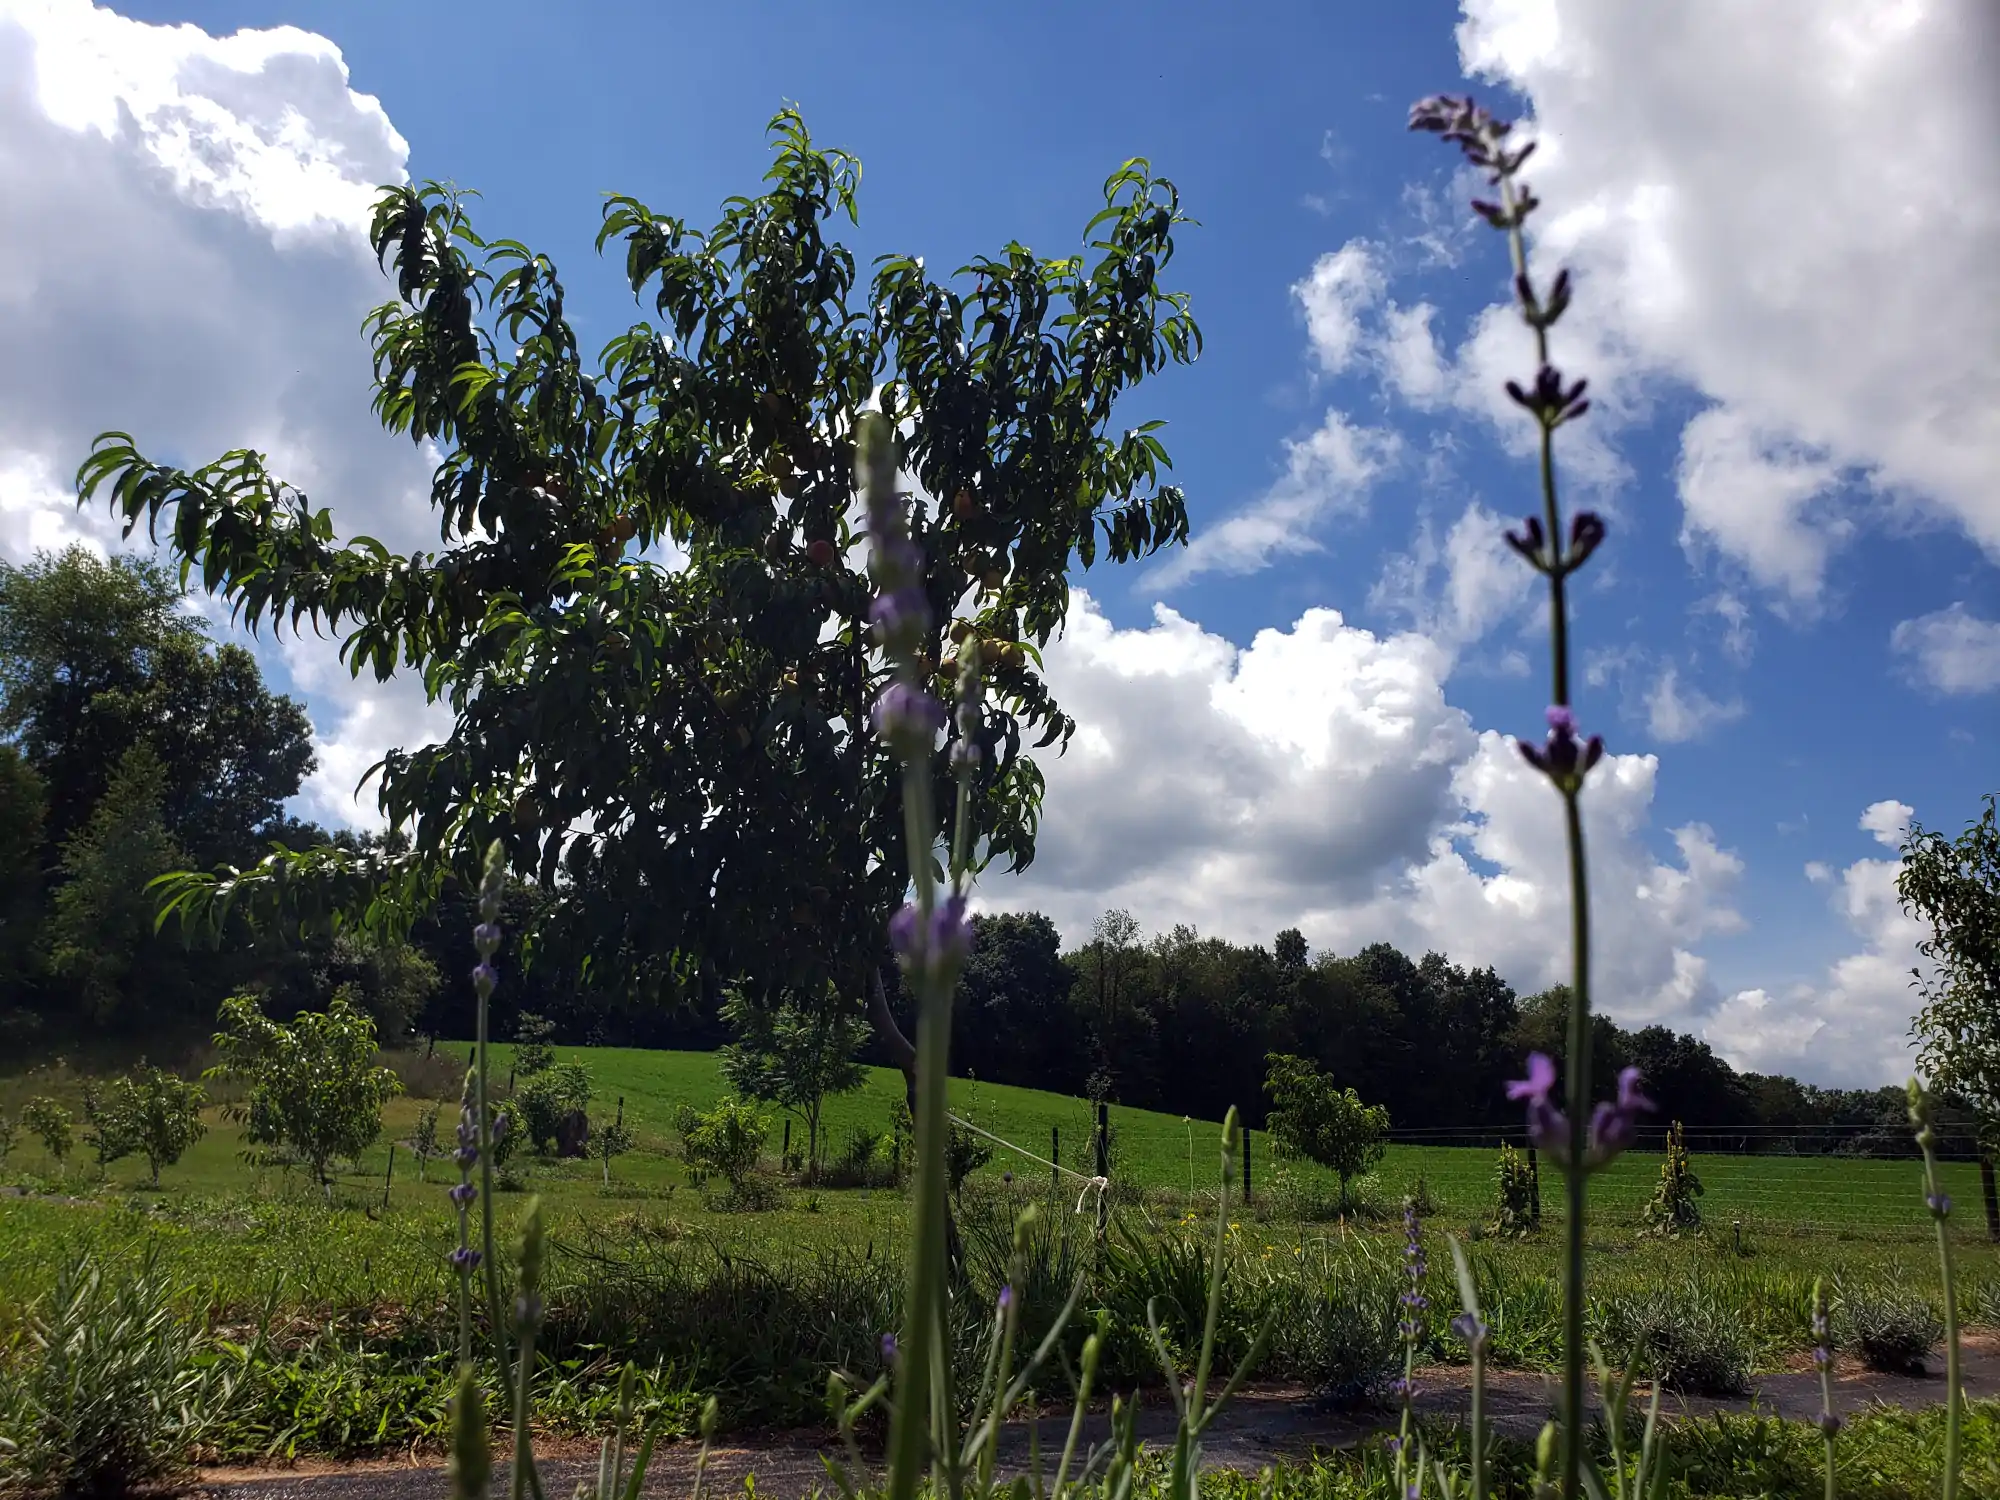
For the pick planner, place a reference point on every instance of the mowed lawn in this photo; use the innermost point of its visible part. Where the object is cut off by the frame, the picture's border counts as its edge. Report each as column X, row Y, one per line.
column 1150, row 1150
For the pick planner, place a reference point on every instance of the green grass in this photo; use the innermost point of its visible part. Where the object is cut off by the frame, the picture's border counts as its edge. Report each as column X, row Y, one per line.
column 1840, row 1196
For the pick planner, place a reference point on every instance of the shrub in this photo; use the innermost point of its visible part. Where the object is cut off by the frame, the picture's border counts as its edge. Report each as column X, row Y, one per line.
column 51, row 1124
column 534, row 1044
column 9, row 1130
column 423, row 1141
column 1514, row 1213
column 724, row 1142
column 1673, row 1212
column 110, row 1392
column 152, row 1113
column 1312, row 1119
column 867, row 1159
column 547, row 1097
column 314, row 1089
column 1338, row 1335
column 1890, row 1330
column 1688, row 1338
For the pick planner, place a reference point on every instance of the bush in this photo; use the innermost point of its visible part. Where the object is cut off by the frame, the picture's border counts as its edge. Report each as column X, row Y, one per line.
column 1684, row 1335
column 1338, row 1335
column 1673, row 1212
column 1890, row 1330
column 547, row 1097
column 868, row 1159
column 1313, row 1120
column 1514, row 1214
column 152, row 1113
column 111, row 1392
column 534, row 1044
column 314, row 1090
column 724, row 1142
column 51, row 1124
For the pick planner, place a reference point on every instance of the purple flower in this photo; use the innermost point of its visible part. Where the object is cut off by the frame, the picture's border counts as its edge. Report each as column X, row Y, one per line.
column 1586, row 532
column 484, row 979
column 464, row 1260
column 888, row 1348
column 1006, row 1298
column 1528, row 541
column 1008, row 1178
column 1540, row 1080
column 486, row 938
column 1614, row 1126
column 464, row 1195
column 1563, row 758
column 900, row 617
column 1829, row 1423
column 908, row 717
column 1822, row 1357
column 467, row 1157
column 943, row 944
column 1469, row 1328
column 1939, row 1204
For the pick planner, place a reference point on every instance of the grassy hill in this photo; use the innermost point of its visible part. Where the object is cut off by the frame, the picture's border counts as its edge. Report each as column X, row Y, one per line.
column 1150, row 1150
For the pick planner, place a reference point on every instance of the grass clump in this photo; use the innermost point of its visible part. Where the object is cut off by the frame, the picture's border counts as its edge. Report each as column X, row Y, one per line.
column 1684, row 1335
column 1890, row 1330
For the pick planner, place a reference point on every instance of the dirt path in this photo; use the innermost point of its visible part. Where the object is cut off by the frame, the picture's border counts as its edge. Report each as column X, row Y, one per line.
column 1265, row 1425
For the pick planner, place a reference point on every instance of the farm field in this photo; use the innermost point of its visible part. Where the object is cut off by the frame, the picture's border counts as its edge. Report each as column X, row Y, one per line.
column 1840, row 1197
column 352, row 1308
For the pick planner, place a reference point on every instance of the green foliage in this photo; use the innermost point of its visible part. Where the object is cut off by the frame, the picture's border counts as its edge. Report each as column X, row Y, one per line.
column 1312, row 1119
column 548, row 1096
column 1672, row 1211
column 534, row 1044
column 50, row 1124
column 797, row 1054
column 389, row 979
column 96, row 658
column 1953, row 886
column 1514, row 1212
column 611, row 1138
column 725, row 1141
column 1889, row 1329
column 965, row 1153
column 109, row 1392
column 769, row 846
column 423, row 1139
column 150, row 1113
column 1683, row 1334
column 23, row 814
column 102, row 935
column 313, row 1091
column 9, row 1132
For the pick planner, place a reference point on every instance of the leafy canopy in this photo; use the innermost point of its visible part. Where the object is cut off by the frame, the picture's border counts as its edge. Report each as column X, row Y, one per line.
column 682, row 745
column 1953, row 885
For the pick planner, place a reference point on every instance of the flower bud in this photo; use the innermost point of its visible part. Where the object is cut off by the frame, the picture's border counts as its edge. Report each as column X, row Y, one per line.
column 471, row 1465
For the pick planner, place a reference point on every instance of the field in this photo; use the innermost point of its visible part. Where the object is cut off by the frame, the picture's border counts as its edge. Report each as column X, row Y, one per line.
column 349, row 1306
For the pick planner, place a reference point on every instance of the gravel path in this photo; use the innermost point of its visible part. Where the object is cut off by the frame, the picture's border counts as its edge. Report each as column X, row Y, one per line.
column 1265, row 1425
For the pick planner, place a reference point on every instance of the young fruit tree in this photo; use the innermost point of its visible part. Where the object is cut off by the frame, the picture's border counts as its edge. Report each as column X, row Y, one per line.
column 152, row 1113
column 682, row 751
column 1953, row 886
column 1314, row 1120
column 50, row 1124
column 314, row 1092
column 795, row 1055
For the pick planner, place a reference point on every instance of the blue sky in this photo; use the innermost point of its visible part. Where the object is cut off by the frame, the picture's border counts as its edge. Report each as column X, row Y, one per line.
column 1788, row 640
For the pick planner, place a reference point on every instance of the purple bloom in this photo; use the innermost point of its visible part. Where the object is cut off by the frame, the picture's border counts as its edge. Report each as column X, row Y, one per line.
column 1540, row 1080
column 486, row 938
column 1829, row 1423
column 1006, row 1298
column 888, row 1348
column 1939, row 1204
column 1614, row 1126
column 464, row 1260
column 1822, row 1357
column 900, row 617
column 907, row 717
column 1469, row 1328
column 467, row 1157
column 1008, row 1178
column 945, row 942
column 464, row 1195
column 1563, row 759
column 484, row 979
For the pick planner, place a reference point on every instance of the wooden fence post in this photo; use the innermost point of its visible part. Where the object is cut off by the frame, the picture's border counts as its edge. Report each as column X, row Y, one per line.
column 1103, row 1165
column 389, row 1176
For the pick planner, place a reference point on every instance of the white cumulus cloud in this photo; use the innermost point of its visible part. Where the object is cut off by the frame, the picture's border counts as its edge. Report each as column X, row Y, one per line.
column 1792, row 209
column 1951, row 650
column 184, row 257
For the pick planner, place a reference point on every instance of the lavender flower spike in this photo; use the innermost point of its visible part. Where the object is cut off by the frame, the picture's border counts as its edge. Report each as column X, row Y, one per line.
column 1548, row 1127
